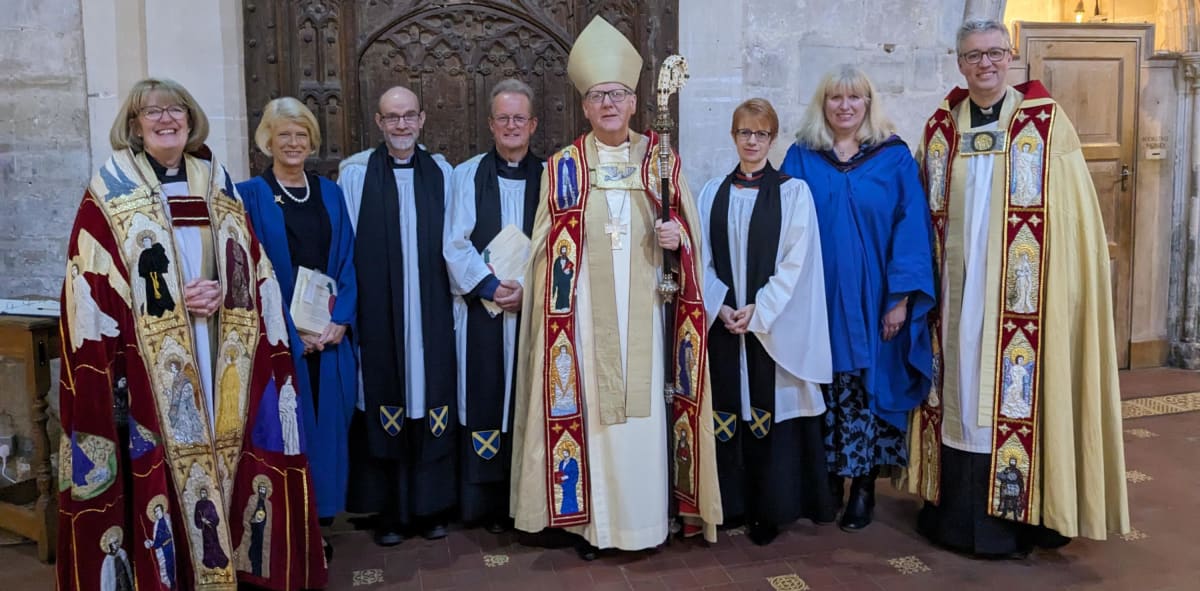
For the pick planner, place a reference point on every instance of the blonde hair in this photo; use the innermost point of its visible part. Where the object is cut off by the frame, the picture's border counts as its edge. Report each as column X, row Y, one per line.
column 814, row 129
column 122, row 135
column 756, row 108
column 286, row 109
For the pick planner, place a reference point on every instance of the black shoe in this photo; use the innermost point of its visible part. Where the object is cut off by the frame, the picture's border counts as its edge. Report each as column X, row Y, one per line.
column 861, row 503
column 837, row 488
column 436, row 531
column 586, row 551
column 328, row 550
column 387, row 536
column 762, row 534
column 497, row 526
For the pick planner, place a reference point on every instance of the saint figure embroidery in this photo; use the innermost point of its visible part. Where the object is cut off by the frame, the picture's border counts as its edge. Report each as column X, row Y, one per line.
column 564, row 272
column 289, row 426
column 1018, row 387
column 207, row 519
column 153, row 264
column 254, row 552
column 1011, row 484
column 1027, row 172
column 115, row 573
column 237, row 273
column 87, row 321
column 1024, row 297
column 163, row 542
column 229, row 391
column 272, row 310
column 184, row 409
column 567, row 477
column 564, row 384
column 686, row 362
column 683, row 459
column 568, row 186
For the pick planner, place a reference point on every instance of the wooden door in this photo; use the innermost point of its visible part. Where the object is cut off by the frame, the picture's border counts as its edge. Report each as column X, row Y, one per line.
column 1096, row 83
column 339, row 56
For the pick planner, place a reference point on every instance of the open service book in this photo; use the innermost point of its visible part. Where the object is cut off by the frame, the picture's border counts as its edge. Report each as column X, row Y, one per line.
column 506, row 255
column 312, row 300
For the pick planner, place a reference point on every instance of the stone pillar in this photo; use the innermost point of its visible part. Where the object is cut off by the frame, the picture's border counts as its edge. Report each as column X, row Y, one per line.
column 976, row 9
column 1185, row 350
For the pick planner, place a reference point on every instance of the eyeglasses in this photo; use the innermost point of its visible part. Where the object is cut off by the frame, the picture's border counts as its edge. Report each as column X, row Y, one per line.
column 744, row 135
column 394, row 120
column 176, row 112
column 518, row 120
column 618, row 95
column 994, row 55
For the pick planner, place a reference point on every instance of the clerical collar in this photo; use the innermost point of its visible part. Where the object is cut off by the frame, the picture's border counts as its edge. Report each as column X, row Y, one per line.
column 982, row 116
column 751, row 180
column 168, row 175
column 398, row 163
column 607, row 148
column 508, row 170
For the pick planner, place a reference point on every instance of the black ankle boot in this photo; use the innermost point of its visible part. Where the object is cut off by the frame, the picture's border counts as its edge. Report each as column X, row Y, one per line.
column 761, row 533
column 837, row 488
column 861, row 503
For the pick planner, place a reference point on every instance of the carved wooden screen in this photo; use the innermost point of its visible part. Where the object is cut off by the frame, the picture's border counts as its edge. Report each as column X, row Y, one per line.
column 339, row 56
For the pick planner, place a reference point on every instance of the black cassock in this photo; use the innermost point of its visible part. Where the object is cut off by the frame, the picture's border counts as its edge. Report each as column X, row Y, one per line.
column 401, row 468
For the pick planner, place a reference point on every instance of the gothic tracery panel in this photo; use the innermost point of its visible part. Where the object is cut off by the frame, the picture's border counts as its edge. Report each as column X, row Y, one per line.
column 339, row 56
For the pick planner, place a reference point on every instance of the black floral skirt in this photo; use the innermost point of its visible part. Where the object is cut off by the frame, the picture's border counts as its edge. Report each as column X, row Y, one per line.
column 855, row 439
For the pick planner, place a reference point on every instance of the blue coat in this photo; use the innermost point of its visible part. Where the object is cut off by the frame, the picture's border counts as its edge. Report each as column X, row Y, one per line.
column 876, row 243
column 326, row 428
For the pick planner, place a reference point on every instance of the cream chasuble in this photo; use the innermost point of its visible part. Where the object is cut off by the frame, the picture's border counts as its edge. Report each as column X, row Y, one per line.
column 1078, row 475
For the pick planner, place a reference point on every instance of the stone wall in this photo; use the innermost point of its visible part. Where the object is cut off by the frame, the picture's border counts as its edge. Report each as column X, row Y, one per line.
column 44, row 155
column 779, row 50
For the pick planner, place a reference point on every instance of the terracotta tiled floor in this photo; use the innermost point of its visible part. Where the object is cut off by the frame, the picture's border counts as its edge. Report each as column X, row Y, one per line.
column 1161, row 554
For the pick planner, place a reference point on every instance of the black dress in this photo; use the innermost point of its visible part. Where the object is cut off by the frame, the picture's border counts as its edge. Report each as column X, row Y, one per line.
column 308, row 233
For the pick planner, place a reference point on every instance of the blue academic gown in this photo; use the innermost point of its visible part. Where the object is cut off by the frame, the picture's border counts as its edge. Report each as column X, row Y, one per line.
column 876, row 243
column 328, row 427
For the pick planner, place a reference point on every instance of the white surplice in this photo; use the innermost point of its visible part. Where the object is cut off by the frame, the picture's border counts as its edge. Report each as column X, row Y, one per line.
column 790, row 318
column 189, row 246
column 976, row 438
column 466, row 268
column 351, row 175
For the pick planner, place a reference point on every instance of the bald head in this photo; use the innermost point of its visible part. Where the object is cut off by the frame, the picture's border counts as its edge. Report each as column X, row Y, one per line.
column 398, row 93
column 400, row 118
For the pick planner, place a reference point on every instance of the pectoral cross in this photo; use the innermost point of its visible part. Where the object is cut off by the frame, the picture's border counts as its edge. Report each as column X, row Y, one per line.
column 614, row 228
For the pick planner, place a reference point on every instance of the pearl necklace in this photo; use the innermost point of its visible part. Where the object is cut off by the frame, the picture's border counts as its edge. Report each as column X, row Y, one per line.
column 307, row 191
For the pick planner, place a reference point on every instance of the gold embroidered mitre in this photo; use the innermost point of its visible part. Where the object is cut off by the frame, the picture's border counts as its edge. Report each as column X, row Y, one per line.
column 602, row 54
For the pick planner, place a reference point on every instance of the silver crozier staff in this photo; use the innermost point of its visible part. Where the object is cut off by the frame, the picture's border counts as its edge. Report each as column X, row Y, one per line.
column 671, row 77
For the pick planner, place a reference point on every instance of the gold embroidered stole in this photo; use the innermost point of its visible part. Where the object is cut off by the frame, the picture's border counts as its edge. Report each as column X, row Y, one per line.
column 197, row 459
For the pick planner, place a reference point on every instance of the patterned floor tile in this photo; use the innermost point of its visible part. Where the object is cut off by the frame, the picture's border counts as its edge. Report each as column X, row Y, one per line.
column 367, row 576
column 1134, row 535
column 1136, row 477
column 788, row 583
column 909, row 565
column 1141, row 433
column 494, row 560
column 1160, row 405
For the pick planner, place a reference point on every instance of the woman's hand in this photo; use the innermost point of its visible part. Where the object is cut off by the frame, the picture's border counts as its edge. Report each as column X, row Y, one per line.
column 202, row 297
column 894, row 319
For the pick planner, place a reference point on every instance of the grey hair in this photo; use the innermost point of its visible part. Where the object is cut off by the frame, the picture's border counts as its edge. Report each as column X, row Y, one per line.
column 973, row 26
column 513, row 86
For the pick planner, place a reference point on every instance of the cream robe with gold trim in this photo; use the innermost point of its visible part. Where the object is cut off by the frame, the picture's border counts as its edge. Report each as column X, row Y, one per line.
column 630, row 503
column 1082, row 476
